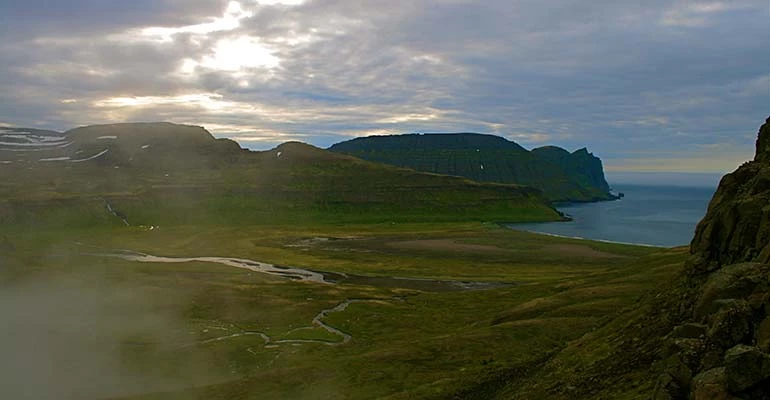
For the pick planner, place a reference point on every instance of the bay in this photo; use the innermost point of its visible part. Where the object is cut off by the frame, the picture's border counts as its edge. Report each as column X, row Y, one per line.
column 651, row 215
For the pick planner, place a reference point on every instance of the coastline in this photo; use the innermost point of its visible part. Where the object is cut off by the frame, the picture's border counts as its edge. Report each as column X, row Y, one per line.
column 663, row 216
column 512, row 226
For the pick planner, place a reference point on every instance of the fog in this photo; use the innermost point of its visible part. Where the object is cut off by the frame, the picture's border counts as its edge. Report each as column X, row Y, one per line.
column 66, row 339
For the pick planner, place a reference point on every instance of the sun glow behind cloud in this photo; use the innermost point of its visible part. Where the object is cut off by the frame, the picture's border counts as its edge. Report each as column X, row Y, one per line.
column 208, row 101
column 231, row 20
column 321, row 70
column 244, row 52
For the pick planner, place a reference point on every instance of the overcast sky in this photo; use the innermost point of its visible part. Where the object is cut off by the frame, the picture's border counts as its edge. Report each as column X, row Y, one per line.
column 658, row 85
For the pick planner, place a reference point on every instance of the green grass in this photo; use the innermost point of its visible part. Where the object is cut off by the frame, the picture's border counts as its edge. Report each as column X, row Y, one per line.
column 406, row 343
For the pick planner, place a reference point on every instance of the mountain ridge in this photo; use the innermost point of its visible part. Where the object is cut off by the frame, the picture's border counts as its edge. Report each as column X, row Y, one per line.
column 167, row 173
column 561, row 175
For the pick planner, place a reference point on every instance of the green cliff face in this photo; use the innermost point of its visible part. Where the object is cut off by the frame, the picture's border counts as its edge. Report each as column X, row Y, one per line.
column 562, row 176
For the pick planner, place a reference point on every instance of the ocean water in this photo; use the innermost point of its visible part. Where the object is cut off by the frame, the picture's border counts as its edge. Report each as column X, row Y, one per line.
column 650, row 215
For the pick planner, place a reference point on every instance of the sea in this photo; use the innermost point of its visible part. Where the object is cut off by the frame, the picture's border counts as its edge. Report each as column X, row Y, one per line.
column 664, row 216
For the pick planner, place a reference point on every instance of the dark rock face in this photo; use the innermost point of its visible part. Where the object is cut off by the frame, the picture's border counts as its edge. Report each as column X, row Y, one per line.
column 710, row 385
column 729, row 273
column 732, row 324
column 675, row 382
column 763, row 143
column 559, row 174
column 737, row 225
column 746, row 367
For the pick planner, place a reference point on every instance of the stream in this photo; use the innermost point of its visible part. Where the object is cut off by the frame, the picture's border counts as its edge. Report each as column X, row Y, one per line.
column 297, row 274
column 317, row 322
column 304, row 275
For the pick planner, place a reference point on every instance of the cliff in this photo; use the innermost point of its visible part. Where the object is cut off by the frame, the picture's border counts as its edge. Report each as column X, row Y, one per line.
column 737, row 225
column 562, row 176
column 722, row 350
column 581, row 166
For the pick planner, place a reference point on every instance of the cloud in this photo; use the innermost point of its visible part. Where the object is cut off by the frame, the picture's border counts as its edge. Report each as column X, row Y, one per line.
column 607, row 75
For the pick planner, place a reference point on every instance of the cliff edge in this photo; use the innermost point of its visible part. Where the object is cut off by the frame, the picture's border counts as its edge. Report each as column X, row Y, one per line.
column 559, row 174
column 736, row 227
column 722, row 350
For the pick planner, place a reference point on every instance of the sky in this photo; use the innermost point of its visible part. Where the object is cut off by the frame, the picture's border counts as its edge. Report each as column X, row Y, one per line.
column 654, row 86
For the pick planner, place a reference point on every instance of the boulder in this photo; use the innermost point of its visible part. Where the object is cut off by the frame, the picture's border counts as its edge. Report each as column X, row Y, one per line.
column 674, row 383
column 731, row 282
column 689, row 331
column 732, row 325
column 668, row 388
column 689, row 350
column 710, row 385
column 745, row 367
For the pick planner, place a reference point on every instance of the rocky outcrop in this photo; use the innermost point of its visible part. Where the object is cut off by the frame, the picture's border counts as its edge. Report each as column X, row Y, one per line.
column 737, row 225
column 763, row 143
column 724, row 345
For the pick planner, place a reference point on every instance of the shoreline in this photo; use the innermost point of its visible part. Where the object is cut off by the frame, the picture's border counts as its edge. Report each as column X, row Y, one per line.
column 511, row 226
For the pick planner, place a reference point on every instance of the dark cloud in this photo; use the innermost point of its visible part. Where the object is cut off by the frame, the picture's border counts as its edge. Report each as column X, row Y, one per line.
column 623, row 78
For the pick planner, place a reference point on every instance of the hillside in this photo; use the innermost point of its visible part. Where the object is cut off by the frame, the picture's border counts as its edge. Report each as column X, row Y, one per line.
column 704, row 335
column 161, row 173
column 561, row 175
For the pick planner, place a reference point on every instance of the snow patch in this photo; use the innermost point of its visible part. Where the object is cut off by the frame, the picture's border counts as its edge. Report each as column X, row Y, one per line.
column 6, row 162
column 92, row 157
column 54, row 159
column 16, row 135
column 279, row 154
column 145, row 147
column 107, row 137
column 47, row 143
column 482, row 167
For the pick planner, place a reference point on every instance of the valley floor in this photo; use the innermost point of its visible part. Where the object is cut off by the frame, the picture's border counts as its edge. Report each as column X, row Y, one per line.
column 406, row 311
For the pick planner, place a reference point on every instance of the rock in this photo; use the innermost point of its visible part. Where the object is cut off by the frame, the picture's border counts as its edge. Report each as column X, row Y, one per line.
column 713, row 357
column 760, row 302
column 736, row 227
column 710, row 385
column 689, row 350
column 745, row 367
column 689, row 331
column 732, row 325
column 731, row 282
column 675, row 381
column 763, row 143
column 763, row 335
column 667, row 388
